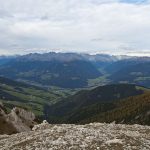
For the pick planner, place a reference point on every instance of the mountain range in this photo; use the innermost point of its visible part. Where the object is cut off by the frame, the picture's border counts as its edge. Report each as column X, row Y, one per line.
column 72, row 70
column 77, row 88
column 48, row 70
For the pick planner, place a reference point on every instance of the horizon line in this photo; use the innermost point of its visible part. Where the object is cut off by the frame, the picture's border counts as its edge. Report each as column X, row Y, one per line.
column 73, row 52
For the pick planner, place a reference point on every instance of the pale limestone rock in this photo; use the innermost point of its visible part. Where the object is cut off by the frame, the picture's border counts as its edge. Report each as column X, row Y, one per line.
column 19, row 120
column 79, row 137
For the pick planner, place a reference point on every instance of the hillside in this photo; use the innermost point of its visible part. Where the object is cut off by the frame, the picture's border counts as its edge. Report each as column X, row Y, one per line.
column 65, row 70
column 95, row 136
column 132, row 110
column 19, row 94
column 126, row 62
column 73, row 70
column 72, row 74
column 87, row 103
column 125, row 103
column 138, row 73
column 133, row 70
column 6, row 59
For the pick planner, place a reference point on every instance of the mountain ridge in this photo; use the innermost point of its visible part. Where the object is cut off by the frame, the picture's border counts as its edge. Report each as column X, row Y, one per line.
column 74, row 70
column 85, row 104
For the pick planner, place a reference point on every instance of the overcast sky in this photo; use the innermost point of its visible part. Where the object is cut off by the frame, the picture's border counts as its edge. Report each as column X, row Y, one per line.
column 94, row 26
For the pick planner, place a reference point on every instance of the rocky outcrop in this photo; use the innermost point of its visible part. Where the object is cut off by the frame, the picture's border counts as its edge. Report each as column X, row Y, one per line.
column 95, row 136
column 18, row 120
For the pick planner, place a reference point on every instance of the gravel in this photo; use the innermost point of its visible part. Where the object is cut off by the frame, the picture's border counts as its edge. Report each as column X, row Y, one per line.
column 94, row 136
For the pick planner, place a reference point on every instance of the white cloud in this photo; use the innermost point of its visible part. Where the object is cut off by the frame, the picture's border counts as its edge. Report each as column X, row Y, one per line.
column 74, row 25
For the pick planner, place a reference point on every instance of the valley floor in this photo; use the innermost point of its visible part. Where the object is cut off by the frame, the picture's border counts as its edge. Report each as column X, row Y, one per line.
column 94, row 136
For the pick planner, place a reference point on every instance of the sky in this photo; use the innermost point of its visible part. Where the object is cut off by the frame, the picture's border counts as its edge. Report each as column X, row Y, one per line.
column 83, row 26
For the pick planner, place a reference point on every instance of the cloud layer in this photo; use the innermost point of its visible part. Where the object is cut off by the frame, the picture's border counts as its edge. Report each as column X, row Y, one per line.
column 109, row 26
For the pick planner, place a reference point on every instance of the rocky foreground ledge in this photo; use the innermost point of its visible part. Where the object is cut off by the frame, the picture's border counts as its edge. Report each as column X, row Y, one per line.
column 94, row 136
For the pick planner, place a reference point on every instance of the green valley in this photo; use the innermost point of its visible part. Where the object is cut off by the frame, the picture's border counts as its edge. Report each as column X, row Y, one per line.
column 13, row 93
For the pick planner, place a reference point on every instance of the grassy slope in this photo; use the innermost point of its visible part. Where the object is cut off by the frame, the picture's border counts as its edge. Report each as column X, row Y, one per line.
column 13, row 93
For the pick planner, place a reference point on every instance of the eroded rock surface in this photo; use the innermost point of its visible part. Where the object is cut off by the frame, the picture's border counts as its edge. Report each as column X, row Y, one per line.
column 95, row 136
column 18, row 120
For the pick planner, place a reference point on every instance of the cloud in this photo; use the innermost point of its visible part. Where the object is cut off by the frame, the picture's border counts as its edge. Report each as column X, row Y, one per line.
column 109, row 26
